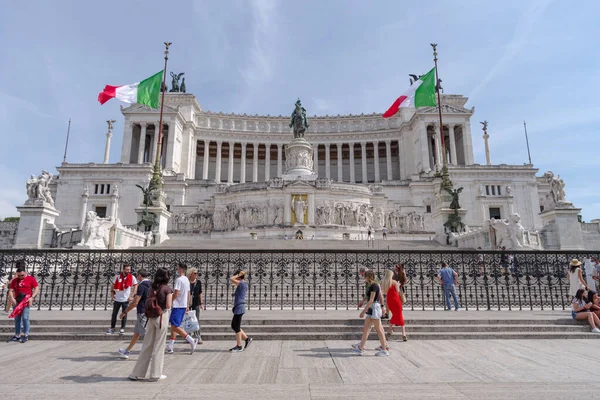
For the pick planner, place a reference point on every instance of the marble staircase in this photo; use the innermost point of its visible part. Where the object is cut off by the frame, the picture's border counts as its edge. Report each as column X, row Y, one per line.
column 329, row 325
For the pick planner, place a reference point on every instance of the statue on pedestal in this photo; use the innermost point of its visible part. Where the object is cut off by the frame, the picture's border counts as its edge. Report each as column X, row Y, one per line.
column 38, row 189
column 96, row 231
column 298, row 120
column 175, row 82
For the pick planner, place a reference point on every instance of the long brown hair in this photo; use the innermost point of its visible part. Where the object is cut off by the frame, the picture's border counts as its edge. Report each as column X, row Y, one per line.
column 370, row 276
column 402, row 278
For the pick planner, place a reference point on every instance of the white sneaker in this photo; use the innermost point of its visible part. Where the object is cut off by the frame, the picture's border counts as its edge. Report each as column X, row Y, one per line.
column 595, row 330
column 122, row 331
column 355, row 345
column 358, row 350
column 161, row 378
column 382, row 353
column 193, row 344
column 169, row 350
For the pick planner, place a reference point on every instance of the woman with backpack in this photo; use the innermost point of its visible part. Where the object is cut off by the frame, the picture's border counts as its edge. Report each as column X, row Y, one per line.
column 158, row 307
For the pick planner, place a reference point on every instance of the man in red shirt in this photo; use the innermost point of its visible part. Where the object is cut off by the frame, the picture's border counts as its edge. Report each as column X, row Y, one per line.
column 23, row 287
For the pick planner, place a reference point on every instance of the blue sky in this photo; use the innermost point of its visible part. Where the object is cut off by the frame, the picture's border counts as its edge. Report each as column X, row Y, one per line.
column 516, row 60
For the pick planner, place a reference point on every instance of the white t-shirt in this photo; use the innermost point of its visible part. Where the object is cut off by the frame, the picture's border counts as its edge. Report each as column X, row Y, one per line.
column 183, row 285
column 590, row 272
column 123, row 295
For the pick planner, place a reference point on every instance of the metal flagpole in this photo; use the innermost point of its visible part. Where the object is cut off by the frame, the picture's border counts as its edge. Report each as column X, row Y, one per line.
column 445, row 176
column 527, row 141
column 67, row 142
column 156, row 181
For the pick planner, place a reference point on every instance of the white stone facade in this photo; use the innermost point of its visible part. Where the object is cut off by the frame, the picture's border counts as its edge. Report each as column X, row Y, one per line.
column 224, row 174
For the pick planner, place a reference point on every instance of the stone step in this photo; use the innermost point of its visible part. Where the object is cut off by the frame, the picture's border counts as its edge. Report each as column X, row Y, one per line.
column 310, row 322
column 276, row 329
column 350, row 336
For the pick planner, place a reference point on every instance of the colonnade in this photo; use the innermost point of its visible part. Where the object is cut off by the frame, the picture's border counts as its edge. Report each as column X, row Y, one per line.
column 331, row 160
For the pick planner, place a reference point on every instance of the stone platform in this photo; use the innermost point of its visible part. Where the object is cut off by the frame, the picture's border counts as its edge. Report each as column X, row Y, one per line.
column 441, row 369
column 194, row 243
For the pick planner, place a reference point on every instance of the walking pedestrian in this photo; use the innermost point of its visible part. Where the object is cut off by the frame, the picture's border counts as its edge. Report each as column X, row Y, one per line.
column 23, row 291
column 196, row 299
column 372, row 315
column 449, row 279
column 153, row 349
column 124, row 285
column 139, row 303
column 384, row 234
column 239, row 309
column 394, row 303
column 181, row 299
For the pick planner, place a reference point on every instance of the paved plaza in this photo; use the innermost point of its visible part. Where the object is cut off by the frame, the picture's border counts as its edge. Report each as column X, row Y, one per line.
column 494, row 369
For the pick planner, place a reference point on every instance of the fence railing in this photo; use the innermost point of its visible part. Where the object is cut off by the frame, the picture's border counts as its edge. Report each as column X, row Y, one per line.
column 81, row 280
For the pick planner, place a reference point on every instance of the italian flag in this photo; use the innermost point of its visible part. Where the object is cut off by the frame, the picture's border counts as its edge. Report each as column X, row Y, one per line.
column 420, row 94
column 145, row 92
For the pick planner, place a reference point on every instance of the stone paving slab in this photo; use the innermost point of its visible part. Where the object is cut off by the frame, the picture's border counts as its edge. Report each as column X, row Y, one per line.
column 493, row 369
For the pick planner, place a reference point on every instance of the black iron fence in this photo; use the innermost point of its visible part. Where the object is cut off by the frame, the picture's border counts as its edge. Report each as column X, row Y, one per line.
column 81, row 280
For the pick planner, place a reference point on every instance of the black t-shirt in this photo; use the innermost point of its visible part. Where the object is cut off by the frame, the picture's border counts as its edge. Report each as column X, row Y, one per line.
column 142, row 291
column 373, row 288
column 195, row 293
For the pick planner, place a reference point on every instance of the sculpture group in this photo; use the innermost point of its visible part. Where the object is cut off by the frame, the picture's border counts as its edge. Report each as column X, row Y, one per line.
column 38, row 189
column 557, row 189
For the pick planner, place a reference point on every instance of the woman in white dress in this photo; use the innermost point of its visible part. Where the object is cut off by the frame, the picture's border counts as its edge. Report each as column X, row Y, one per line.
column 576, row 280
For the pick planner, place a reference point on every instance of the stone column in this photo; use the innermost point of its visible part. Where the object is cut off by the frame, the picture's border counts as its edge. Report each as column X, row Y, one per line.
column 279, row 160
column 388, row 159
column 488, row 159
column 376, row 160
column 363, row 147
column 255, row 162
column 126, row 146
column 468, row 144
column 206, row 159
column 316, row 159
column 84, row 204
column 352, row 167
column 142, row 144
column 267, row 161
column 340, row 170
column 218, row 165
column 154, row 144
column 230, row 166
column 243, row 164
column 327, row 162
column 451, row 136
column 401, row 168
column 438, row 149
column 425, row 157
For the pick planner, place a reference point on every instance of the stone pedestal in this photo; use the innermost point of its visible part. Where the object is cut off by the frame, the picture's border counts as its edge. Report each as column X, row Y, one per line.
column 299, row 160
column 162, row 220
column 32, row 223
column 562, row 229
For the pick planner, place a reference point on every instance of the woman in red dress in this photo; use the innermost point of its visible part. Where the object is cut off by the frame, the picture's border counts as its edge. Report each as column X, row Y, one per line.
column 394, row 304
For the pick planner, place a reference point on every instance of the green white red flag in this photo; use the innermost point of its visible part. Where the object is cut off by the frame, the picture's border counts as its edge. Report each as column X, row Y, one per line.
column 420, row 94
column 145, row 92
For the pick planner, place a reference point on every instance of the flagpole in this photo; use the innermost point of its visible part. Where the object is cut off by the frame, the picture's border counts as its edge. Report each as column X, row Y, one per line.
column 156, row 181
column 67, row 142
column 527, row 141
column 446, row 182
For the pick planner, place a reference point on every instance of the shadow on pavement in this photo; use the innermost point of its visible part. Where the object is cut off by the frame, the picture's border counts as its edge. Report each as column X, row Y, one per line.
column 94, row 379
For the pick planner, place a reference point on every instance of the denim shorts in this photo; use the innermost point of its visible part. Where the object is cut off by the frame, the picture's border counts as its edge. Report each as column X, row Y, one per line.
column 140, row 324
column 375, row 311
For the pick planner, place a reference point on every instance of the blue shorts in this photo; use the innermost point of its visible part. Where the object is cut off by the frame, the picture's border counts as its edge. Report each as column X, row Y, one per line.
column 177, row 315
